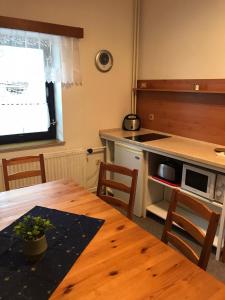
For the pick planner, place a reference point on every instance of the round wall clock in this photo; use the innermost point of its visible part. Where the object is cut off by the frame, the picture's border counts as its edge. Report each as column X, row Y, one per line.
column 104, row 60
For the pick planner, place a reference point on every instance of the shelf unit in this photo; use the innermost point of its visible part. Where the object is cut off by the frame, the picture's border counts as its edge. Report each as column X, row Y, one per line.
column 206, row 86
column 159, row 194
column 178, row 91
column 208, row 202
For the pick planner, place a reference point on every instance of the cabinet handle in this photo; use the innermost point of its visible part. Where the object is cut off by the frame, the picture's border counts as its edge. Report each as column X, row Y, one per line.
column 137, row 157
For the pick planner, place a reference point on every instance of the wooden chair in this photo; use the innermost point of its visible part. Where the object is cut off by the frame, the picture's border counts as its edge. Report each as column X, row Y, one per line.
column 204, row 239
column 25, row 174
column 104, row 183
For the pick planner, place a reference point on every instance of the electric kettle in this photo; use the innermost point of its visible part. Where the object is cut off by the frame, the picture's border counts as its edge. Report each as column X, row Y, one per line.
column 131, row 122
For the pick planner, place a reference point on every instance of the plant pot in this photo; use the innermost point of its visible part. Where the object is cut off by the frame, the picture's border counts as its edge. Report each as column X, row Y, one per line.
column 34, row 249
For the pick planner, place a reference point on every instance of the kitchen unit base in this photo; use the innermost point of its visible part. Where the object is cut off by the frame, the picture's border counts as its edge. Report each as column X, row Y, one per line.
column 157, row 193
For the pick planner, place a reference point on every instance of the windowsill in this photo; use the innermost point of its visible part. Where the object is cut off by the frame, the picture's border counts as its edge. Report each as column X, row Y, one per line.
column 30, row 145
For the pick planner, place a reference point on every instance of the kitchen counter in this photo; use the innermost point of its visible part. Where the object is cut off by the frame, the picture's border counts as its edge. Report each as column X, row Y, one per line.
column 181, row 147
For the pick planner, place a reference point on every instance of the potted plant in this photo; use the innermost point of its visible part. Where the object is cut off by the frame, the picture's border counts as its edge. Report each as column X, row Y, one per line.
column 32, row 231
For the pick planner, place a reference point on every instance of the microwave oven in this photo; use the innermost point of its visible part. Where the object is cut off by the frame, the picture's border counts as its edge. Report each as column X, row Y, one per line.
column 207, row 184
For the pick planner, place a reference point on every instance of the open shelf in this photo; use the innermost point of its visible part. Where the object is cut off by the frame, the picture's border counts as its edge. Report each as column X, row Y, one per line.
column 206, row 201
column 163, row 183
column 179, row 91
column 160, row 209
column 198, row 86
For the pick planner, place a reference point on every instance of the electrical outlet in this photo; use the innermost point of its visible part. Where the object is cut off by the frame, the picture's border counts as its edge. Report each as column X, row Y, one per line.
column 151, row 117
column 143, row 85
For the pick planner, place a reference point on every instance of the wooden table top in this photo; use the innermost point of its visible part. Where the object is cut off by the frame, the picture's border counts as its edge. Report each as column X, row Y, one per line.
column 123, row 261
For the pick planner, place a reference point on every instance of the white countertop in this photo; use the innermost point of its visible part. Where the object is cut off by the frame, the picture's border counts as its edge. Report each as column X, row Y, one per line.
column 190, row 149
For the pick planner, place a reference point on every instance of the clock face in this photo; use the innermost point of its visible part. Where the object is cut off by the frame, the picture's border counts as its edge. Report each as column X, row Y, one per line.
column 104, row 60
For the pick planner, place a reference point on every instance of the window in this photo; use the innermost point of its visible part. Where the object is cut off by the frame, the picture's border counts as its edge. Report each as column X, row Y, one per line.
column 31, row 64
column 27, row 109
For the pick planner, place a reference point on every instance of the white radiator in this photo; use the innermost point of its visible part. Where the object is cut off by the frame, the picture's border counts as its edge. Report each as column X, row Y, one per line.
column 67, row 164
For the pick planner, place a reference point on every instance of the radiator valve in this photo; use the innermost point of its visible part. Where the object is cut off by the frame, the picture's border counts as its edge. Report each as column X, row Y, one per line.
column 89, row 151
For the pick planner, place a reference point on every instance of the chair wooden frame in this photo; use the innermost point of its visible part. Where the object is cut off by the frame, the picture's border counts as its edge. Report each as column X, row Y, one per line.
column 24, row 174
column 205, row 240
column 104, row 183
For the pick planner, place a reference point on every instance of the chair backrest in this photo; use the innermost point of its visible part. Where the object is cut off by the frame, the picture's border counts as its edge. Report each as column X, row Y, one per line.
column 24, row 174
column 104, row 183
column 204, row 239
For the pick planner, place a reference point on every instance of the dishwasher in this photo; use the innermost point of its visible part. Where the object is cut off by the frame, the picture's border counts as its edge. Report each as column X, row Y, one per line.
column 132, row 158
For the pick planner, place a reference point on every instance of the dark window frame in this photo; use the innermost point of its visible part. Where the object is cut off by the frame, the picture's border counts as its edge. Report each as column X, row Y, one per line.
column 37, row 136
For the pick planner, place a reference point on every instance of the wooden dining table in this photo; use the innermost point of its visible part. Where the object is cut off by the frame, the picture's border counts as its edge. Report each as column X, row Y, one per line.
column 122, row 261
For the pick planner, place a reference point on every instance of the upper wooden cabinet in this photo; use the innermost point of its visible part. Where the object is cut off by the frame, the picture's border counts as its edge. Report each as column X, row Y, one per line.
column 216, row 86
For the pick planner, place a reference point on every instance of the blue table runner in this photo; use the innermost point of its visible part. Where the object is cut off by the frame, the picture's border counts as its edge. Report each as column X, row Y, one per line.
column 22, row 280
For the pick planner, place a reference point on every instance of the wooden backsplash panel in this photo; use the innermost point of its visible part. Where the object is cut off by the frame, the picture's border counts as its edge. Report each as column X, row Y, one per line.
column 194, row 115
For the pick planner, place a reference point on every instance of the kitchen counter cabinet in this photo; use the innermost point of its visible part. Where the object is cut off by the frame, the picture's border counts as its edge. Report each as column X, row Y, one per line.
column 156, row 195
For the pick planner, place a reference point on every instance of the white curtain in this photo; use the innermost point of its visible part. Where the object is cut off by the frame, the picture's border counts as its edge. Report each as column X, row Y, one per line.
column 61, row 54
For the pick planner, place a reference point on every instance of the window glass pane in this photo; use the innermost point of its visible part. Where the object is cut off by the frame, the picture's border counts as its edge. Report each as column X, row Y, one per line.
column 23, row 107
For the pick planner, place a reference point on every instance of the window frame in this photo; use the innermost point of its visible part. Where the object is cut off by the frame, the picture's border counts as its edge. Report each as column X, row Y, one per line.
column 48, row 28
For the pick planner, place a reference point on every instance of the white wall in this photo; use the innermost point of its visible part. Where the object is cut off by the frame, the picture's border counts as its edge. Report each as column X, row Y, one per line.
column 104, row 98
column 182, row 39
